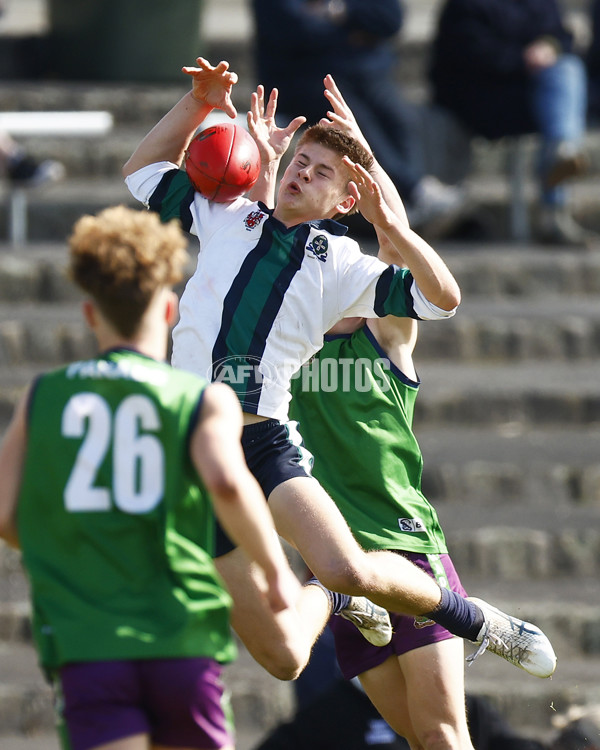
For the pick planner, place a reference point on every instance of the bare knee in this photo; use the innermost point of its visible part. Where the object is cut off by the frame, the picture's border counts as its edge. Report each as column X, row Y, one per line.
column 347, row 577
column 440, row 738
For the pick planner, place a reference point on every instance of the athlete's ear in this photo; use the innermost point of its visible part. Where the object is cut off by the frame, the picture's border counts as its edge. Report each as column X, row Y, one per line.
column 346, row 205
column 89, row 313
column 171, row 308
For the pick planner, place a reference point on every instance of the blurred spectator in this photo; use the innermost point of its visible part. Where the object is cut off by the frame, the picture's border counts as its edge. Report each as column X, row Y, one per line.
column 578, row 729
column 24, row 171
column 593, row 65
column 298, row 42
column 506, row 67
column 343, row 717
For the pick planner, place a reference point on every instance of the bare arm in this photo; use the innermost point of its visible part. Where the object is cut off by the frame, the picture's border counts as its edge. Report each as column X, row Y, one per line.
column 271, row 140
column 12, row 458
column 397, row 336
column 429, row 271
column 341, row 116
column 237, row 497
column 169, row 138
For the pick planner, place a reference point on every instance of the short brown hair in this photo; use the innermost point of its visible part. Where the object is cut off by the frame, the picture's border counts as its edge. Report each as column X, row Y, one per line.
column 340, row 142
column 121, row 257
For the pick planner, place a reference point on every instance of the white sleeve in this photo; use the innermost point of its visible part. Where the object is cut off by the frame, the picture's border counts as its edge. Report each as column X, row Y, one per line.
column 358, row 275
column 425, row 309
column 368, row 287
column 143, row 183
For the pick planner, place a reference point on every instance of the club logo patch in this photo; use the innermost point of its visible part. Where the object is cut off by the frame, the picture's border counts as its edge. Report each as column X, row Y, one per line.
column 411, row 525
column 319, row 247
column 422, row 622
column 253, row 220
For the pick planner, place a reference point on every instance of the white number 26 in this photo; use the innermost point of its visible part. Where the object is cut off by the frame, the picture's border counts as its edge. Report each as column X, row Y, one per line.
column 138, row 458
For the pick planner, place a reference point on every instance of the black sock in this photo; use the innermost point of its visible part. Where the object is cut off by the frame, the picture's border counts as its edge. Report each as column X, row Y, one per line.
column 458, row 615
column 338, row 601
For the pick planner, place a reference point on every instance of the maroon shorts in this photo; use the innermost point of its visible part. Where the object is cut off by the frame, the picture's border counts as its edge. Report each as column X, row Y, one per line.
column 355, row 655
column 177, row 702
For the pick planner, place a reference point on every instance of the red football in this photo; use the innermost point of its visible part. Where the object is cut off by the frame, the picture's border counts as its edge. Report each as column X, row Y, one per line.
column 223, row 162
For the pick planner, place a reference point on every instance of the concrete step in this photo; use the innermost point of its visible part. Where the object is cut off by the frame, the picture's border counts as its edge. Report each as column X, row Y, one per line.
column 486, row 271
column 49, row 335
column 521, row 393
column 53, row 209
column 512, row 546
column 492, row 270
column 36, row 273
column 564, row 329
column 543, row 328
column 511, row 464
column 552, row 581
column 528, row 702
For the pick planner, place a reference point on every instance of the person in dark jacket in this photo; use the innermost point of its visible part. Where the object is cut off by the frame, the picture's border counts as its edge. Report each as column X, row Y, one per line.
column 507, row 67
column 299, row 42
column 593, row 65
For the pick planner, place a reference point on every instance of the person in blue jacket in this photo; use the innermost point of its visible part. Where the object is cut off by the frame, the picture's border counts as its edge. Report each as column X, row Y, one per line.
column 507, row 67
column 299, row 42
column 593, row 65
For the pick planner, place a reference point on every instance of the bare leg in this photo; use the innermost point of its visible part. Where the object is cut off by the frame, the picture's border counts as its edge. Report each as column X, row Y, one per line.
column 421, row 695
column 310, row 521
column 281, row 643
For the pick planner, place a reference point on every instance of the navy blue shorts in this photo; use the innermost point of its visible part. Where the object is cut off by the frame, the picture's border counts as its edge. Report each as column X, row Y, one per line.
column 177, row 702
column 356, row 655
column 274, row 453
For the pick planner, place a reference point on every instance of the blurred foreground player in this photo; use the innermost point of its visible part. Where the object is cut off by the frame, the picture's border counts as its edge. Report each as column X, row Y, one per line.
column 108, row 470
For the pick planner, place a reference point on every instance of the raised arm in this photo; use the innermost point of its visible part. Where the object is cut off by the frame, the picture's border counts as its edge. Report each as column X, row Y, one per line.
column 169, row 138
column 272, row 142
column 341, row 116
column 238, row 500
column 429, row 271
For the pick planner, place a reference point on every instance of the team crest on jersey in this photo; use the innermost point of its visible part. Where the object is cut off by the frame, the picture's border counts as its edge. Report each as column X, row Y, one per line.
column 253, row 220
column 319, row 247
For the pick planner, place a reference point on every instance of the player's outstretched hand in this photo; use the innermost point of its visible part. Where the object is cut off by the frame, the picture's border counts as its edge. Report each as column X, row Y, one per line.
column 369, row 198
column 213, row 84
column 341, row 116
column 272, row 141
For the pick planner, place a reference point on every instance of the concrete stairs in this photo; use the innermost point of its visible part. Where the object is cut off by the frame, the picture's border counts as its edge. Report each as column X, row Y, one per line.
column 509, row 426
column 508, row 416
column 93, row 166
column 508, row 419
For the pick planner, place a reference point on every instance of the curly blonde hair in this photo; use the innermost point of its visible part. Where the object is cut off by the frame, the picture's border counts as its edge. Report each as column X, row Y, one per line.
column 121, row 257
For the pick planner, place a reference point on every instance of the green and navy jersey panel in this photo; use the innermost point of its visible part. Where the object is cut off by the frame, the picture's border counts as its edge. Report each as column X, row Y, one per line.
column 263, row 295
column 116, row 529
column 355, row 411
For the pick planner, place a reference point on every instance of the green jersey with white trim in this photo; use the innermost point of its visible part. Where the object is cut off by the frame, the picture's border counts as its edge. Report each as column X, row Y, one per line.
column 116, row 529
column 355, row 412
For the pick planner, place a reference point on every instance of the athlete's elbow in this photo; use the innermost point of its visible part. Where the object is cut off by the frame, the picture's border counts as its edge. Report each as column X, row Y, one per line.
column 453, row 300
column 449, row 298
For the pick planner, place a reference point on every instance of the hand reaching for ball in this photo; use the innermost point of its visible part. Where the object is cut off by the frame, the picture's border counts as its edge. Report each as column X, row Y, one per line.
column 212, row 85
